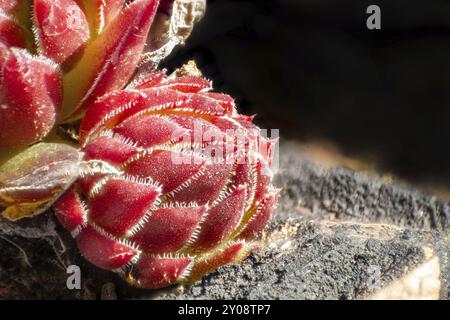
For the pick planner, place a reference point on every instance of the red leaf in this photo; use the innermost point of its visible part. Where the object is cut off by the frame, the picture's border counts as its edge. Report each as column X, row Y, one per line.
column 109, row 149
column 62, row 28
column 155, row 272
column 69, row 210
column 231, row 253
column 150, row 131
column 110, row 61
column 117, row 106
column 161, row 167
column 102, row 250
column 221, row 220
column 168, row 229
column 11, row 34
column 261, row 216
column 120, row 203
column 30, row 97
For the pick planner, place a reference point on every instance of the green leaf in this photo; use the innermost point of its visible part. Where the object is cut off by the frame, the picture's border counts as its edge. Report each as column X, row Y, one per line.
column 32, row 180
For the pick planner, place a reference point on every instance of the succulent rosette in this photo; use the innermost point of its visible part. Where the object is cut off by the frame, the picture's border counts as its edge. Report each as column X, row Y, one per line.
column 192, row 186
column 166, row 180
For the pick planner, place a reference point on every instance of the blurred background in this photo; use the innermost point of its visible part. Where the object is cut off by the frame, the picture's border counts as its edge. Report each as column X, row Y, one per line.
column 312, row 69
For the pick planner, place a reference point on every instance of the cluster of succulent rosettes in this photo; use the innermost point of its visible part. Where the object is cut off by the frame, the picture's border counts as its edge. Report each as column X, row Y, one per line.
column 174, row 182
column 58, row 56
column 165, row 211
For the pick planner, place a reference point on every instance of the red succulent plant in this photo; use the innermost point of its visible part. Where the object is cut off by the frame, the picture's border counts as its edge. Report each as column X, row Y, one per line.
column 56, row 58
column 192, row 187
column 168, row 181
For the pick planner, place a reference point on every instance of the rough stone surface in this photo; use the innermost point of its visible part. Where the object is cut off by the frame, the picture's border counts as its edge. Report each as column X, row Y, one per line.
column 337, row 234
column 346, row 195
column 316, row 264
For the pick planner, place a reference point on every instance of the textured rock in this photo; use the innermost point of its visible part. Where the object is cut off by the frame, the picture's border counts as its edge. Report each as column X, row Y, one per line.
column 322, row 260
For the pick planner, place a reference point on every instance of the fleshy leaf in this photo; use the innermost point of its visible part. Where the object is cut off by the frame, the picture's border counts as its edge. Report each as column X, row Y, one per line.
column 261, row 215
column 61, row 27
column 222, row 219
column 102, row 250
column 11, row 34
column 69, row 210
column 168, row 229
column 31, row 181
column 30, row 96
column 121, row 203
column 158, row 272
column 110, row 61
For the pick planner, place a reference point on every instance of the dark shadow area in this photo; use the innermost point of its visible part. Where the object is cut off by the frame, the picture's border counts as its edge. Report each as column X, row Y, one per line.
column 313, row 69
